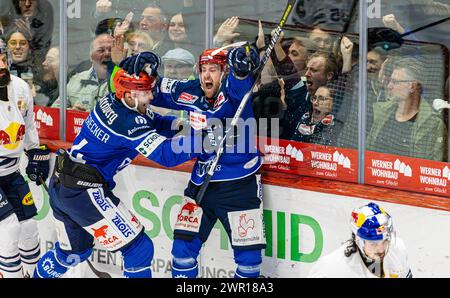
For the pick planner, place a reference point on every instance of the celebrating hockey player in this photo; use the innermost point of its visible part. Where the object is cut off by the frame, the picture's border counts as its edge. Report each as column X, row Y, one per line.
column 19, row 238
column 234, row 195
column 373, row 251
column 81, row 196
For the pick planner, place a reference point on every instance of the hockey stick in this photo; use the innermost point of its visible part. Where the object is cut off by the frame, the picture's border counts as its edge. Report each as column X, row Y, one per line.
column 99, row 274
column 233, row 45
column 425, row 27
column 243, row 103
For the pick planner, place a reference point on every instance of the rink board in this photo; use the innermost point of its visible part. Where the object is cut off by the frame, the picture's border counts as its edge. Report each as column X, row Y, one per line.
column 301, row 226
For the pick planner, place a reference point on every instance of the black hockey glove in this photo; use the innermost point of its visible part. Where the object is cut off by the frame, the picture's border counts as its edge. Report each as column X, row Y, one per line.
column 138, row 63
column 38, row 164
column 243, row 60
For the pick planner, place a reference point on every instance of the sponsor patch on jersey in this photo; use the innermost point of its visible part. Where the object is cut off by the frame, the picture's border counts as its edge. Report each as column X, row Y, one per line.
column 28, row 200
column 150, row 143
column 140, row 120
column 219, row 101
column 197, row 120
column 247, row 227
column 132, row 131
column 22, row 104
column 166, row 85
column 187, row 98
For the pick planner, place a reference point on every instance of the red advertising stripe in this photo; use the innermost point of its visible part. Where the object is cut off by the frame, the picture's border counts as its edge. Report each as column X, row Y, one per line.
column 74, row 121
column 47, row 122
column 419, row 175
column 310, row 159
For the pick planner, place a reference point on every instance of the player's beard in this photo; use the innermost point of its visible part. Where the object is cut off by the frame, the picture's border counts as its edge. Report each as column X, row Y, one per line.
column 5, row 77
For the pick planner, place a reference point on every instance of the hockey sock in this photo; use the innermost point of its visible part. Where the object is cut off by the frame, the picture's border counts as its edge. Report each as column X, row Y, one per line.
column 249, row 263
column 137, row 258
column 10, row 264
column 56, row 262
column 29, row 246
column 30, row 259
column 184, row 262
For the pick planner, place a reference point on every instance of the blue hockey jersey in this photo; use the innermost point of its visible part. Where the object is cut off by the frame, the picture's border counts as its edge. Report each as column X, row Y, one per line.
column 242, row 159
column 113, row 135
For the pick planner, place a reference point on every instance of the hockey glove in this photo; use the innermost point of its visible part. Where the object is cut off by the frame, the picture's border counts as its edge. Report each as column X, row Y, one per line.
column 138, row 63
column 242, row 61
column 188, row 220
column 38, row 164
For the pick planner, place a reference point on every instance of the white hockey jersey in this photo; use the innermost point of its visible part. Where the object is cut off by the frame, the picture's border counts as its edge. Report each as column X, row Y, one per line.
column 17, row 129
column 337, row 265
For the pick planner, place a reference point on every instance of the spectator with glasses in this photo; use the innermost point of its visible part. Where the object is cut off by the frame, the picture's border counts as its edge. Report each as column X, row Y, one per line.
column 154, row 23
column 318, row 126
column 405, row 124
column 23, row 63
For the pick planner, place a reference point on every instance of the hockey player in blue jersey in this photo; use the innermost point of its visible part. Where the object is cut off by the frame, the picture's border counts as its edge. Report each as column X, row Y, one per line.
column 84, row 206
column 234, row 195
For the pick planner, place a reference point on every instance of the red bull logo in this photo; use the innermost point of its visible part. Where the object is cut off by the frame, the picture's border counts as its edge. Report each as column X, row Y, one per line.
column 11, row 137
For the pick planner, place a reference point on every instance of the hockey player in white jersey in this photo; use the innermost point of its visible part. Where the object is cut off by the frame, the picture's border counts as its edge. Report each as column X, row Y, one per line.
column 373, row 251
column 19, row 241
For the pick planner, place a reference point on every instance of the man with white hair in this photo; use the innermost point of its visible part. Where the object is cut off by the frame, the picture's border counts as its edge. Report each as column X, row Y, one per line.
column 86, row 88
column 405, row 124
column 178, row 64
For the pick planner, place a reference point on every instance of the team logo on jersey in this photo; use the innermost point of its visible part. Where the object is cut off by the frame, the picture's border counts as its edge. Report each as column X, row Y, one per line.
column 219, row 101
column 187, row 98
column 140, row 120
column 28, row 200
column 11, row 137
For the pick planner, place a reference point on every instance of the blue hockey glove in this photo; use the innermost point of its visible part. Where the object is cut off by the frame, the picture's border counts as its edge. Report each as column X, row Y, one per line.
column 242, row 61
column 38, row 164
column 137, row 63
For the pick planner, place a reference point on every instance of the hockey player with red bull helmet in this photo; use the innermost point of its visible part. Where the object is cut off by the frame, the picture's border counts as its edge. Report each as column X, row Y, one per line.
column 234, row 195
column 19, row 237
column 373, row 251
column 118, row 129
